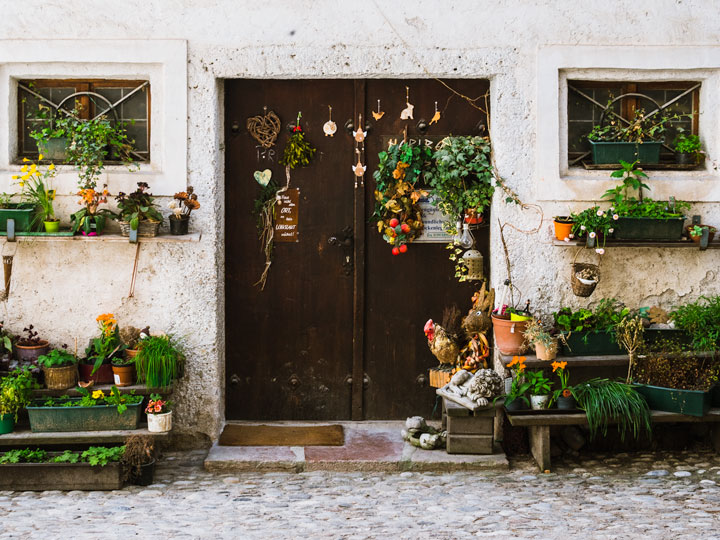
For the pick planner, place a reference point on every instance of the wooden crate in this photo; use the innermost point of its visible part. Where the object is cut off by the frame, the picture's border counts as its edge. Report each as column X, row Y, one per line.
column 439, row 378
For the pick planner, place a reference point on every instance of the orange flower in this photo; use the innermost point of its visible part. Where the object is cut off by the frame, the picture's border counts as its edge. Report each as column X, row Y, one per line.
column 558, row 365
column 515, row 360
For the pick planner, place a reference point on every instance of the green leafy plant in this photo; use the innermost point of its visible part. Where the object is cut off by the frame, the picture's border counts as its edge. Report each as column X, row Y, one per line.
column 159, row 360
column 535, row 332
column 298, row 152
column 36, row 189
column 138, row 206
column 24, row 456
column 686, row 143
column 16, row 391
column 697, row 230
column 95, row 398
column 539, row 383
column 102, row 455
column 103, row 348
column 57, row 358
column 68, row 456
column 602, row 319
column 6, row 199
column 641, row 128
column 565, row 390
column 520, row 386
column 605, row 401
column 6, row 338
column 593, row 222
column 701, row 320
column 91, row 214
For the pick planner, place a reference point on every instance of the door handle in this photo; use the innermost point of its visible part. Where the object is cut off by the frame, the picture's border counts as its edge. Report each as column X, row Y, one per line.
column 346, row 241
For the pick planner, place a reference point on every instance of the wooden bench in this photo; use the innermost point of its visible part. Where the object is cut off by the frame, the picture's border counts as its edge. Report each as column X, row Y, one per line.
column 539, row 428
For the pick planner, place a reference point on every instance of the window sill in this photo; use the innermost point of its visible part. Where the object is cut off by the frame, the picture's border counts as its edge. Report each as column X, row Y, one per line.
column 117, row 238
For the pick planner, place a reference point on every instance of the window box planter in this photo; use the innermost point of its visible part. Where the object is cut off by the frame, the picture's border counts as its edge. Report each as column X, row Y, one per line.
column 590, row 344
column 690, row 402
column 97, row 418
column 640, row 228
column 653, row 335
column 613, row 152
column 59, row 476
column 22, row 213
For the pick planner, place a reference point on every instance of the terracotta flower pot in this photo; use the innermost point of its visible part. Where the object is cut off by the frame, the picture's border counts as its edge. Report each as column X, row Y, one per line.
column 104, row 374
column 509, row 335
column 563, row 229
column 546, row 353
column 28, row 354
column 124, row 375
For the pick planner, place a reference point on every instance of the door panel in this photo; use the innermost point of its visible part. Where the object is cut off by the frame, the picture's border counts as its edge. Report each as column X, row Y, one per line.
column 403, row 291
column 289, row 347
column 290, row 352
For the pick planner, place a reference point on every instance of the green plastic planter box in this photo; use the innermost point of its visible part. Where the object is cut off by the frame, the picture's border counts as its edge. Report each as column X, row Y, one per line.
column 590, row 344
column 654, row 335
column 22, row 213
column 642, row 228
column 613, row 152
column 97, row 418
column 690, row 402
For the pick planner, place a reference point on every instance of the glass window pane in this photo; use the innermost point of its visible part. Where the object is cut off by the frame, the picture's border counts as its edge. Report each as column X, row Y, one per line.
column 138, row 131
column 135, row 106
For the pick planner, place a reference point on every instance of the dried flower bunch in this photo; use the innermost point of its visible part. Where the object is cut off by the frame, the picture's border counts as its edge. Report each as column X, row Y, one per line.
column 183, row 204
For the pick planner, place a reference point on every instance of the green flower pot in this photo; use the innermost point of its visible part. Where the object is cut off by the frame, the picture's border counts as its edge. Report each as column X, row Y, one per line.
column 7, row 423
column 52, row 226
column 590, row 344
column 641, row 228
column 22, row 213
column 690, row 402
column 613, row 152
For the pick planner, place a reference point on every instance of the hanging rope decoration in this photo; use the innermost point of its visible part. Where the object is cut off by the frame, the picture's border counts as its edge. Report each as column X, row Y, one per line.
column 298, row 152
column 264, row 128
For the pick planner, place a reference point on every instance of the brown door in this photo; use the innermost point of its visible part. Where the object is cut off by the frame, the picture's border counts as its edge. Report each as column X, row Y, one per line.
column 327, row 340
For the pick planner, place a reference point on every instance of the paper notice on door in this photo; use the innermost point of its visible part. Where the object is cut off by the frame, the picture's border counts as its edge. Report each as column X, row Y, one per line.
column 433, row 221
column 286, row 216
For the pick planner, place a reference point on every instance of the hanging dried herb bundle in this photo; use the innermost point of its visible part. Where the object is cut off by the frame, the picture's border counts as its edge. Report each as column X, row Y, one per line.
column 298, row 152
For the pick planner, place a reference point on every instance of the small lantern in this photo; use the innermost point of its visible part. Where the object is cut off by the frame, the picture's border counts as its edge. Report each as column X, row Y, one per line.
column 473, row 260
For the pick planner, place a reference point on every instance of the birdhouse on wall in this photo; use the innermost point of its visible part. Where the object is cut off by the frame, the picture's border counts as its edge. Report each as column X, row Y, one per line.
column 473, row 260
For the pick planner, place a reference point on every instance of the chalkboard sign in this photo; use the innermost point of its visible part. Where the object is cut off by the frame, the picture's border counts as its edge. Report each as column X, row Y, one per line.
column 286, row 216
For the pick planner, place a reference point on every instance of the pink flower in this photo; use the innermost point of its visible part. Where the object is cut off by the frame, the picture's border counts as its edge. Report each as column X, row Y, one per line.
column 566, row 239
column 592, row 234
column 600, row 251
column 158, row 407
column 611, row 231
column 600, row 212
column 616, row 217
column 571, row 235
column 582, row 227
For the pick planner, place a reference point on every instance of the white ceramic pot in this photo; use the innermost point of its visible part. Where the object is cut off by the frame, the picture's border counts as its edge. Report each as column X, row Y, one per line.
column 160, row 423
column 539, row 402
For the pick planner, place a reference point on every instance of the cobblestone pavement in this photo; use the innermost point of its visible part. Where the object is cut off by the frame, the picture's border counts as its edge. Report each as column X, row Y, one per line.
column 645, row 495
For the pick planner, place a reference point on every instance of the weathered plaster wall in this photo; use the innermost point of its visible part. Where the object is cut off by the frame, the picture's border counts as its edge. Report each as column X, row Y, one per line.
column 62, row 287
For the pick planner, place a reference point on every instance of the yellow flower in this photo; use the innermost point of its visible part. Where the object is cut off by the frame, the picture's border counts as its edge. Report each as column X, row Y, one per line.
column 22, row 184
column 25, row 159
column 40, row 157
column 33, row 168
column 15, row 176
column 98, row 394
column 25, row 176
column 51, row 167
column 24, row 168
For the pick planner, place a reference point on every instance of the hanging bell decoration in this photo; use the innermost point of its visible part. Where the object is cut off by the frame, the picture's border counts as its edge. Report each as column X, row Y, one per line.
column 473, row 260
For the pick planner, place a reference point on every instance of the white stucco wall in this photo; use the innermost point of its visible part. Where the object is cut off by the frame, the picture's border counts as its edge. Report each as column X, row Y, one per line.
column 61, row 287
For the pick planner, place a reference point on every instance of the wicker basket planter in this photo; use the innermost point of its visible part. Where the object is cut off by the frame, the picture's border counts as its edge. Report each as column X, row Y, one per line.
column 61, row 378
column 146, row 228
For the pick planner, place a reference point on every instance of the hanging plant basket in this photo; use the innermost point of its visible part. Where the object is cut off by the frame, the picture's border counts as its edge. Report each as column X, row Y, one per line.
column 584, row 277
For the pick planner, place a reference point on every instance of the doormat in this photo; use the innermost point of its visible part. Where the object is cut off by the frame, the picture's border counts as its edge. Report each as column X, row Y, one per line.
column 282, row 435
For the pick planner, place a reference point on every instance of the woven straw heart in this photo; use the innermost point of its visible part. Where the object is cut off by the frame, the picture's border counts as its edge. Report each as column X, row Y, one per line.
column 264, row 129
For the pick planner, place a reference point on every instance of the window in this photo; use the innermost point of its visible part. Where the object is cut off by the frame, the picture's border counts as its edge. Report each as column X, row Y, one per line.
column 588, row 99
column 127, row 102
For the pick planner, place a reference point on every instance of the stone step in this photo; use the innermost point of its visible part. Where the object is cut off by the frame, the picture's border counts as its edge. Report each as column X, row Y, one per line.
column 369, row 446
column 31, row 439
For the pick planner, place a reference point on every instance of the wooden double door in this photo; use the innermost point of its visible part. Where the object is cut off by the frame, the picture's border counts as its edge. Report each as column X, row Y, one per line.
column 337, row 332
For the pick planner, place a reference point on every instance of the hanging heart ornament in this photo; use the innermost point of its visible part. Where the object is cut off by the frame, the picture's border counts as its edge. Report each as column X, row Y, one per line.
column 263, row 177
column 264, row 128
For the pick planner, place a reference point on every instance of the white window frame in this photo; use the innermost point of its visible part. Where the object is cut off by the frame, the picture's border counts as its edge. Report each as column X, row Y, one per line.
column 555, row 181
column 162, row 62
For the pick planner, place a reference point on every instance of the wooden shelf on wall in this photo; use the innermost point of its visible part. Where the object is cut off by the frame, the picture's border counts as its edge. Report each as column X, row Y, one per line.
column 573, row 361
column 64, row 237
column 636, row 243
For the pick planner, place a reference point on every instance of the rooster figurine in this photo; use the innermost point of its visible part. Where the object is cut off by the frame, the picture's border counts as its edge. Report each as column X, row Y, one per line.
column 441, row 343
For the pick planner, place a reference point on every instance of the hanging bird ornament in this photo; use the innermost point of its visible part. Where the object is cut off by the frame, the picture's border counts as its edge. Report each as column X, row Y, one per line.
column 436, row 116
column 359, row 169
column 407, row 112
column 330, row 127
column 379, row 114
column 359, row 135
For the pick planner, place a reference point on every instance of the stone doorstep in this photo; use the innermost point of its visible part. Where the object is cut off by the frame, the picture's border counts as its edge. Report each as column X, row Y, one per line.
column 369, row 447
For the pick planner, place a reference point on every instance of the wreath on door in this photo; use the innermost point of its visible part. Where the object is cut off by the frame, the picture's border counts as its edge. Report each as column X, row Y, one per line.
column 398, row 214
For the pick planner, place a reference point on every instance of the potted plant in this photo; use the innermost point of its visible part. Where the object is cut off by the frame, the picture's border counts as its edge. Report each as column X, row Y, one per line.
column 94, row 411
column 182, row 205
column 139, row 460
column 640, row 140
column 590, row 331
column 29, row 347
column 594, row 225
column 700, row 320
column 15, row 393
column 37, row 191
column 516, row 398
column 695, row 232
column 60, row 368
column 123, row 370
column 6, row 347
column 130, row 337
column 159, row 361
column 138, row 212
column 642, row 218
column 159, row 414
column 52, row 137
column 101, row 351
column 509, row 335
column 546, row 345
column 22, row 213
column 563, row 227
column 91, row 220
column 540, row 389
column 605, row 401
column 563, row 396
column 688, row 150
